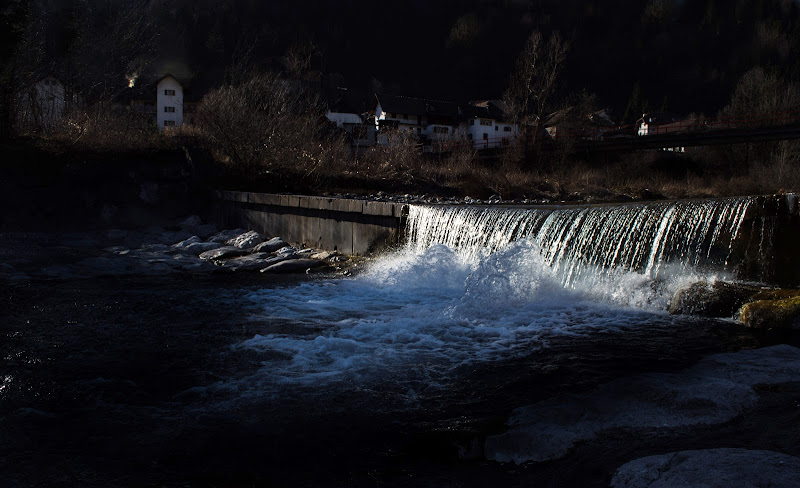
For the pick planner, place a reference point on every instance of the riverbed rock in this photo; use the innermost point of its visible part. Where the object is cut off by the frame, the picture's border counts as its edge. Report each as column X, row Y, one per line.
column 271, row 245
column 286, row 251
column 226, row 235
column 225, row 252
column 322, row 256
column 717, row 299
column 253, row 262
column 772, row 314
column 201, row 247
column 293, row 266
column 723, row 468
column 715, row 390
column 186, row 242
column 248, row 240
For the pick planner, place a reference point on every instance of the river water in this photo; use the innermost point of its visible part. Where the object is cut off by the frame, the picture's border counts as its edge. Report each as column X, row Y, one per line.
column 399, row 376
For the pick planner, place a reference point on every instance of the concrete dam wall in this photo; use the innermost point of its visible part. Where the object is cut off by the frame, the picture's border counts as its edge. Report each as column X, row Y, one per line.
column 751, row 238
column 355, row 227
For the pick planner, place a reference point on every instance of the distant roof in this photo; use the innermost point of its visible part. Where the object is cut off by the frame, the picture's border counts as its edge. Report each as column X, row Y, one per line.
column 417, row 106
column 344, row 100
column 491, row 109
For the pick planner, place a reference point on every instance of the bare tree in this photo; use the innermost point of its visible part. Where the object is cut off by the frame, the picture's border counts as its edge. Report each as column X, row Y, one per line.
column 760, row 93
column 299, row 58
column 533, row 82
column 269, row 124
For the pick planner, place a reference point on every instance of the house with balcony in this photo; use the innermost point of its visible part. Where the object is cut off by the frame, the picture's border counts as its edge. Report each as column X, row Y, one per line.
column 428, row 120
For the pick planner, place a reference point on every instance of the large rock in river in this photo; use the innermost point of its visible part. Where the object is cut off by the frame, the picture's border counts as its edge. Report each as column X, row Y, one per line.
column 226, row 252
column 711, row 468
column 778, row 313
column 717, row 299
column 271, row 245
column 248, row 240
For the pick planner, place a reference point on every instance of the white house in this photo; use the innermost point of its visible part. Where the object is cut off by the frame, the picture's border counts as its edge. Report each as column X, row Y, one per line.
column 403, row 113
column 662, row 124
column 169, row 102
column 362, row 134
column 486, row 126
column 42, row 105
column 428, row 120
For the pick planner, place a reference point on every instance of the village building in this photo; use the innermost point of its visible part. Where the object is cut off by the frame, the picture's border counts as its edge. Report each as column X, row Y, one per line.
column 345, row 109
column 485, row 123
column 169, row 102
column 664, row 123
column 568, row 124
column 166, row 101
column 425, row 119
column 43, row 105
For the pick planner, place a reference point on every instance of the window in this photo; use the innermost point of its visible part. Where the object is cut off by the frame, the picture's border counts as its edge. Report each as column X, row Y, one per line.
column 169, row 109
column 405, row 116
column 472, row 122
column 359, row 132
column 496, row 128
column 507, row 129
column 486, row 122
column 169, row 123
column 169, row 92
column 441, row 130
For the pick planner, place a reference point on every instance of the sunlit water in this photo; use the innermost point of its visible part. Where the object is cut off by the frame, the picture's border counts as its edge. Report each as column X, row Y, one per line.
column 476, row 286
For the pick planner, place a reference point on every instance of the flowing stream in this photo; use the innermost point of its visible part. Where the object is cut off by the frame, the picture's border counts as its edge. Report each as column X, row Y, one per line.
column 476, row 285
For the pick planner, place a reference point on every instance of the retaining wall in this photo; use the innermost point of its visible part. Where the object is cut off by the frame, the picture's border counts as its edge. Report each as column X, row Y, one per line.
column 355, row 227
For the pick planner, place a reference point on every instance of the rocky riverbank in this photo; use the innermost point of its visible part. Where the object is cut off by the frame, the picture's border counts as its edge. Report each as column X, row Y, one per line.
column 190, row 247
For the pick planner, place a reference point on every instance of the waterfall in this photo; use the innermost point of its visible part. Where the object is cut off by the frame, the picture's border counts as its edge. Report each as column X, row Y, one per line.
column 645, row 238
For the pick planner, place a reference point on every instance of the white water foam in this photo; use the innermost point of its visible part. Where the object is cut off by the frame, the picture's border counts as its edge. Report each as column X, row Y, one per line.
column 476, row 285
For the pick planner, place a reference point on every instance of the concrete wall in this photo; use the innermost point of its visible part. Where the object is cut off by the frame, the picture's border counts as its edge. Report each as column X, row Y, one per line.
column 334, row 224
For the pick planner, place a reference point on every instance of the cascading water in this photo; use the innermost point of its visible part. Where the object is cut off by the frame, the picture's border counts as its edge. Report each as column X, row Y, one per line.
column 577, row 242
column 477, row 285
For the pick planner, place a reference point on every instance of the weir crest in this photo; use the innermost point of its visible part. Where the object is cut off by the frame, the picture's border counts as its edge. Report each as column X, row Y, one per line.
column 731, row 236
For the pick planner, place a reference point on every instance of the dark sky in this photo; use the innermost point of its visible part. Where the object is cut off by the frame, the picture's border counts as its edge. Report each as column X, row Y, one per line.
column 682, row 56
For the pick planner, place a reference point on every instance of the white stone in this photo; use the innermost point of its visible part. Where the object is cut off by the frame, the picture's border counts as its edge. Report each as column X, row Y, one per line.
column 247, row 240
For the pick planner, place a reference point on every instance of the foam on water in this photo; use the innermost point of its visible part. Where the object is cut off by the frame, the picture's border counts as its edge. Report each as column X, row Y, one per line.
column 476, row 285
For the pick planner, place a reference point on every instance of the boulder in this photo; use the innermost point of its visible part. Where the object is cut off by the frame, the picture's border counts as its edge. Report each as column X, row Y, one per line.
column 322, row 256
column 717, row 299
column 286, row 251
column 728, row 468
column 186, row 242
column 293, row 266
column 221, row 253
column 253, row 262
column 201, row 247
column 271, row 245
column 225, row 235
column 248, row 240
column 782, row 313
